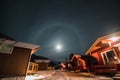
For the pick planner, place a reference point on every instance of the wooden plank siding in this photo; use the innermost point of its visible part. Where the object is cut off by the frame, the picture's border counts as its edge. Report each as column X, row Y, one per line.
column 15, row 63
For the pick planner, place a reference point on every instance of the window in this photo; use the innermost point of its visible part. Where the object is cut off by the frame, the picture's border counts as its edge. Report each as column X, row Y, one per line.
column 109, row 57
column 6, row 47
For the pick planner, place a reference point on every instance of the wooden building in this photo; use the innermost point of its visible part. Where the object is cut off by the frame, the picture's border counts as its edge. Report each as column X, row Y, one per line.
column 77, row 63
column 15, row 57
column 106, row 50
column 33, row 68
column 43, row 64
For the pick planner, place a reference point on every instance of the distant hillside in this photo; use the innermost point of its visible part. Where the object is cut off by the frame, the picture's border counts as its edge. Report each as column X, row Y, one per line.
column 5, row 36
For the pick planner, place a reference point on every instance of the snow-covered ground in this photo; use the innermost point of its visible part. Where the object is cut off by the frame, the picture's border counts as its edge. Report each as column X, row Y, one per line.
column 40, row 75
column 63, row 75
column 34, row 77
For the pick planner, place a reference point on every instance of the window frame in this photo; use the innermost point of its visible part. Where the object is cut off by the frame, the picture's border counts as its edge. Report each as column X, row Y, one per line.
column 104, row 55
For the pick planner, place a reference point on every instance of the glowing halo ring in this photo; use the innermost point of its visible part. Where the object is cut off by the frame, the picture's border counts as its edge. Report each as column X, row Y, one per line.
column 41, row 31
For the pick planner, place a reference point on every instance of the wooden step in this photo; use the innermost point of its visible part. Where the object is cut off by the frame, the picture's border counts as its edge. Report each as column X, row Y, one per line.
column 118, row 72
column 118, row 75
column 111, row 68
column 116, row 78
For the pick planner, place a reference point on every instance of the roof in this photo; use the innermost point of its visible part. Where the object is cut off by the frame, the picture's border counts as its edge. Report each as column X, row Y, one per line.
column 33, row 47
column 75, row 56
column 7, row 44
column 7, row 41
column 40, row 61
column 102, row 41
column 36, row 57
column 26, row 45
column 19, row 44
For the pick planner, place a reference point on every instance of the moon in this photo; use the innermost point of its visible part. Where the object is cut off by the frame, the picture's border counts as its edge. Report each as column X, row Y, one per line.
column 58, row 47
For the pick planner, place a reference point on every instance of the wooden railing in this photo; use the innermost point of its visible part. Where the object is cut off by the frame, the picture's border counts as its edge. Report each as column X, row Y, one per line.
column 33, row 67
column 110, row 68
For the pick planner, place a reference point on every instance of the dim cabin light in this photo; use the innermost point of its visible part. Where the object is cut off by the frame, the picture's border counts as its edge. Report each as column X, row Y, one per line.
column 114, row 39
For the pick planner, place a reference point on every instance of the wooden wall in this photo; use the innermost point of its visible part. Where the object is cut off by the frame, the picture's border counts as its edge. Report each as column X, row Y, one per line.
column 15, row 64
column 43, row 66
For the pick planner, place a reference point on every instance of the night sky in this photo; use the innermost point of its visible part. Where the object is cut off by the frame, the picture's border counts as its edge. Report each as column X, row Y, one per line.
column 72, row 24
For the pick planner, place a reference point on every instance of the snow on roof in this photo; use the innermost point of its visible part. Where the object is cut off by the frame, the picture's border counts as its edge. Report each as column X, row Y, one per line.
column 26, row 45
column 6, row 46
column 116, row 34
column 19, row 44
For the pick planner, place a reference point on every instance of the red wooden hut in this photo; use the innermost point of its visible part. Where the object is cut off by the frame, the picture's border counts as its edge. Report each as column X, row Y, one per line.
column 106, row 50
column 77, row 63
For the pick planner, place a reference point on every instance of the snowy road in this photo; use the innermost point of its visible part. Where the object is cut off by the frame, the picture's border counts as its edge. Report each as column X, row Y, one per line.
column 65, row 75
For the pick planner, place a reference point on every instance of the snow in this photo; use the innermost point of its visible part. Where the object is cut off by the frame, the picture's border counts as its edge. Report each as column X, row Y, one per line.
column 34, row 77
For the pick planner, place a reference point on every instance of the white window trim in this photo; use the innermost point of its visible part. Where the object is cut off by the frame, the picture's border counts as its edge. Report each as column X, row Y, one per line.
column 106, row 55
